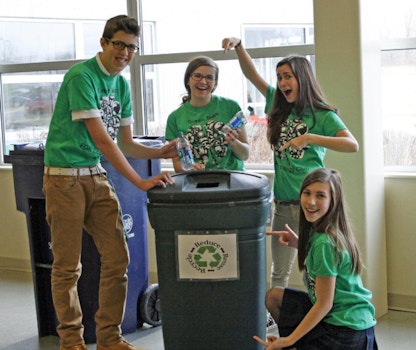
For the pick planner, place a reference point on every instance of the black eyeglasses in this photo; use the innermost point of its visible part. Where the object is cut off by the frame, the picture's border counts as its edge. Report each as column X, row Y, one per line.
column 198, row 77
column 119, row 45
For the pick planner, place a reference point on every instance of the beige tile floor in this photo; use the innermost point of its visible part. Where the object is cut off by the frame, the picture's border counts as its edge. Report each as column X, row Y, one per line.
column 18, row 325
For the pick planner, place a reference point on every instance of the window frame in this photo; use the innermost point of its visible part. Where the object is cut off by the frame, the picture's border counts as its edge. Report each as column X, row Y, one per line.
column 140, row 126
column 138, row 83
column 398, row 45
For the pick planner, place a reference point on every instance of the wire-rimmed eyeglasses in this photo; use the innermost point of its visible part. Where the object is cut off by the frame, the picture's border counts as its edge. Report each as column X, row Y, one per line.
column 198, row 77
column 119, row 45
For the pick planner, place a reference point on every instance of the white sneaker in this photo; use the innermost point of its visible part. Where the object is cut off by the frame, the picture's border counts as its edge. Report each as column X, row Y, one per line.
column 270, row 322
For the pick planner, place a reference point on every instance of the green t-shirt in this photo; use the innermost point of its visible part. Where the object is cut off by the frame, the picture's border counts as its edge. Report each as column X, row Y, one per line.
column 86, row 87
column 352, row 302
column 201, row 126
column 291, row 166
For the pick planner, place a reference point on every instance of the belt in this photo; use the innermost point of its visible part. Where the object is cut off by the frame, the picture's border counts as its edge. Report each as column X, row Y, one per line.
column 93, row 170
column 287, row 203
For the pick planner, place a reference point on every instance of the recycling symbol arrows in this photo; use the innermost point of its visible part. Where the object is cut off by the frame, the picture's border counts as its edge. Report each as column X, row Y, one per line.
column 207, row 256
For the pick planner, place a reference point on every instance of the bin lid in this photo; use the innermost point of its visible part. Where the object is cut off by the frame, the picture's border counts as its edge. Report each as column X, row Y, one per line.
column 150, row 141
column 26, row 148
column 212, row 186
column 26, row 154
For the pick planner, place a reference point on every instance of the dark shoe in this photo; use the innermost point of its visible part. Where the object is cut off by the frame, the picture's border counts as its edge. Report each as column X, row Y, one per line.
column 123, row 345
column 75, row 347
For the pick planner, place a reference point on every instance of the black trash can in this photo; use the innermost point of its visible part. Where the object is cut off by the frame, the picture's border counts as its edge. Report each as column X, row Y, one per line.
column 28, row 165
column 210, row 247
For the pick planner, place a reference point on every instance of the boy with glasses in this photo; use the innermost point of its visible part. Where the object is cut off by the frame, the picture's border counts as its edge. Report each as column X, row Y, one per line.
column 92, row 110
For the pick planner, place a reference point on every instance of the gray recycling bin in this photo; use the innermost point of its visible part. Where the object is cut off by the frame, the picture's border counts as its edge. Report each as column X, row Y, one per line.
column 210, row 247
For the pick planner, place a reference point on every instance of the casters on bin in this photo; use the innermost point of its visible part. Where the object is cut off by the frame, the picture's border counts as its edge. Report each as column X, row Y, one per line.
column 150, row 305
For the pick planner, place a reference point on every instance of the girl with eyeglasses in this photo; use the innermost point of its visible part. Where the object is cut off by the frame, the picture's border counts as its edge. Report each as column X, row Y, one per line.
column 201, row 117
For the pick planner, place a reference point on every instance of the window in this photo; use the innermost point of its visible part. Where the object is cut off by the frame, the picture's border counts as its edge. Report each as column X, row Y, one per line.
column 54, row 32
column 35, row 48
column 64, row 33
column 197, row 31
column 398, row 32
column 29, row 99
column 268, row 35
column 150, row 94
column 399, row 108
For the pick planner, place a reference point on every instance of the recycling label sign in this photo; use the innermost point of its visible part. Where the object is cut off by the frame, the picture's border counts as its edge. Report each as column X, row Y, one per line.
column 207, row 255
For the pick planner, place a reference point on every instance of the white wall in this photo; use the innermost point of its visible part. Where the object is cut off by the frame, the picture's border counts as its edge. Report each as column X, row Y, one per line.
column 14, row 242
column 348, row 66
column 400, row 194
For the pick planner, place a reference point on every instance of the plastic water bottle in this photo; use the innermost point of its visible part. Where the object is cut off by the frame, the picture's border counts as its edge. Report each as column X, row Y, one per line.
column 185, row 152
column 236, row 122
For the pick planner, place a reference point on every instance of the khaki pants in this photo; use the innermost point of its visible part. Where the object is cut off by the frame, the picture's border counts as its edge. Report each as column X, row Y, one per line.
column 89, row 202
column 283, row 257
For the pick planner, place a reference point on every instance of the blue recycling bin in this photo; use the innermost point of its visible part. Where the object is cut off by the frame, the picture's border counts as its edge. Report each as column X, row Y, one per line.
column 134, row 211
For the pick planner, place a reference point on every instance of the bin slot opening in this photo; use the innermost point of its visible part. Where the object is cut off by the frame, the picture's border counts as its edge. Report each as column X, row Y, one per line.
column 207, row 184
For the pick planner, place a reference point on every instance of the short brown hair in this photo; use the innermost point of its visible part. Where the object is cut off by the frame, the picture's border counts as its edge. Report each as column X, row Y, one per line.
column 125, row 23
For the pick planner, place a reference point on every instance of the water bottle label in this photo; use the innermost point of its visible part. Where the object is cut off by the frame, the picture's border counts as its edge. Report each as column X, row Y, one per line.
column 186, row 158
column 236, row 122
column 187, row 154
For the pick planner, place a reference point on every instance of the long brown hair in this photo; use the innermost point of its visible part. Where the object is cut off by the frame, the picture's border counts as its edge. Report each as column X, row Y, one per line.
column 310, row 95
column 334, row 223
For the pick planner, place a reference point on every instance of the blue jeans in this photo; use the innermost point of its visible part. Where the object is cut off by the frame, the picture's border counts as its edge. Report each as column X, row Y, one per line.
column 74, row 203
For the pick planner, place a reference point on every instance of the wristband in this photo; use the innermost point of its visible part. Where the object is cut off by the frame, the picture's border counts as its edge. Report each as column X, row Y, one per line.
column 239, row 43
